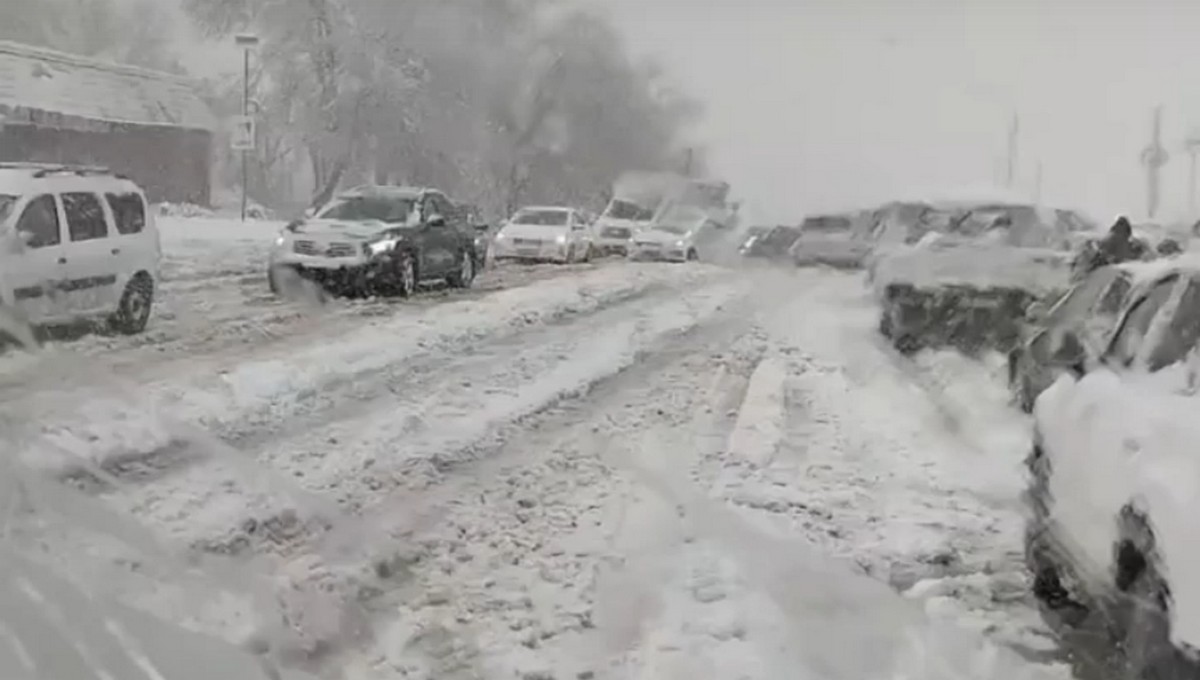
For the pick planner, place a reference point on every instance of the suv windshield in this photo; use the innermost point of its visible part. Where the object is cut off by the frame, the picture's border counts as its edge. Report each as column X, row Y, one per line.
column 542, row 218
column 6, row 206
column 365, row 208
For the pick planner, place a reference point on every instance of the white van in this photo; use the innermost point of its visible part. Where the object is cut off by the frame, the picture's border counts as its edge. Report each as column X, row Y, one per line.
column 76, row 244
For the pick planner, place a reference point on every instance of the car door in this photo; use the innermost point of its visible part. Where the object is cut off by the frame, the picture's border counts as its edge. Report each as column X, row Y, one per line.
column 447, row 240
column 579, row 235
column 94, row 260
column 37, row 272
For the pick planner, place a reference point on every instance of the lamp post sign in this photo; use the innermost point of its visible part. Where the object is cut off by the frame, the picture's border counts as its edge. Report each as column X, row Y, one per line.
column 243, row 128
column 242, row 135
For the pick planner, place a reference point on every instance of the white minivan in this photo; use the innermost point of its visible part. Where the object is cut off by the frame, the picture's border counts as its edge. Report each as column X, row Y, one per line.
column 76, row 244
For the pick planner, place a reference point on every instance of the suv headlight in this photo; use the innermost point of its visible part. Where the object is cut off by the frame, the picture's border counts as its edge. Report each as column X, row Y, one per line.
column 379, row 246
column 681, row 243
column 280, row 240
column 562, row 238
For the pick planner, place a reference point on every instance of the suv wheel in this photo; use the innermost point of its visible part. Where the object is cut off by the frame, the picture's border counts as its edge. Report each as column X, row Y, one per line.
column 692, row 255
column 406, row 275
column 466, row 271
column 133, row 312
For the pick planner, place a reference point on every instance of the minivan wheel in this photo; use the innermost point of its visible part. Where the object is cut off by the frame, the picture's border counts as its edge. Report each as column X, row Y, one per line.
column 406, row 275
column 692, row 255
column 133, row 312
column 466, row 271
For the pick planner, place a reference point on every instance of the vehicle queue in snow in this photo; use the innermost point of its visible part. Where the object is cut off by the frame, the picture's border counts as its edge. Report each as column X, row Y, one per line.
column 1101, row 334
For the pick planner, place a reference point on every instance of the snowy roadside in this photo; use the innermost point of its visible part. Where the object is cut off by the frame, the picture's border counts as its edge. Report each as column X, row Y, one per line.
column 916, row 479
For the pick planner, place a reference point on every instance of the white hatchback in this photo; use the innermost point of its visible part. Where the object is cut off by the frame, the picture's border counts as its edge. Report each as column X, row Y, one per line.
column 76, row 244
column 546, row 234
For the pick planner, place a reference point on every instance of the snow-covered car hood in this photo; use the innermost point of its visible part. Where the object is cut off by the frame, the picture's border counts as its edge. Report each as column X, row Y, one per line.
column 662, row 238
column 345, row 229
column 533, row 231
column 1037, row 270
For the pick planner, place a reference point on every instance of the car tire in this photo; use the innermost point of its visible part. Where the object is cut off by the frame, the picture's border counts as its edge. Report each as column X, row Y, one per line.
column 465, row 276
column 16, row 330
column 693, row 256
column 137, row 301
column 405, row 275
column 587, row 254
column 1143, row 606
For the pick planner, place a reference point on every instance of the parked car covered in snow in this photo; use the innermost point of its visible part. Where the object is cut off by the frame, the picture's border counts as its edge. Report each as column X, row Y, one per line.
column 969, row 279
column 682, row 235
column 545, row 234
column 773, row 244
column 1115, row 484
column 377, row 240
column 749, row 236
column 1089, row 310
column 76, row 244
column 841, row 241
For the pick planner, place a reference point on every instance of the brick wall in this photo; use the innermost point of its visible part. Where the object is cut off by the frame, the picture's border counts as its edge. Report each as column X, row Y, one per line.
column 170, row 164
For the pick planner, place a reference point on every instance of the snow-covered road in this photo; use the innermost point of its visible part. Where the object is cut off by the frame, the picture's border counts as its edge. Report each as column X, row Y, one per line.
column 601, row 471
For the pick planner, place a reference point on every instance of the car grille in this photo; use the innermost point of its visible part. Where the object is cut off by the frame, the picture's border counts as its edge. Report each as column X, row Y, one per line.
column 527, row 242
column 332, row 250
column 616, row 232
column 648, row 244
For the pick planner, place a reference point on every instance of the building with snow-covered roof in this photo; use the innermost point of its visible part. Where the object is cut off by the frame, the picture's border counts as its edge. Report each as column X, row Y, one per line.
column 61, row 108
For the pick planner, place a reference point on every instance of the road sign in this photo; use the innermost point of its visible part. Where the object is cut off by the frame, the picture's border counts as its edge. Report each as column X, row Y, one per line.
column 242, row 138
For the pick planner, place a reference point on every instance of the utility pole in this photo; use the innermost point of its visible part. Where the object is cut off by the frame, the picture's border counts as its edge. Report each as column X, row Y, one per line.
column 1013, row 130
column 688, row 159
column 1154, row 157
column 1192, row 145
column 245, row 127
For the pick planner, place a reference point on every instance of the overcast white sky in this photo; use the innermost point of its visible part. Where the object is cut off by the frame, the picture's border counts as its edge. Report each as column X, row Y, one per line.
column 823, row 104
column 816, row 104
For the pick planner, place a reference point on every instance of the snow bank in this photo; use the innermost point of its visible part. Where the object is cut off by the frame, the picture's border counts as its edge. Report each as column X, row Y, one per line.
column 199, row 247
column 116, row 422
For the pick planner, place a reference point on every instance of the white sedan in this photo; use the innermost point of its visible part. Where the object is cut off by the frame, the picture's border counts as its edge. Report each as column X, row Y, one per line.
column 675, row 241
column 545, row 234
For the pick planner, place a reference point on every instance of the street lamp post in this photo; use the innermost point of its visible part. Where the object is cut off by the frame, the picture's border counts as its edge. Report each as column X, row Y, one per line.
column 1192, row 145
column 247, row 42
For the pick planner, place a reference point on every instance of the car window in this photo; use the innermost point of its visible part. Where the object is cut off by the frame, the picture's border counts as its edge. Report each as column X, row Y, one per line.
column 1182, row 332
column 1133, row 330
column 40, row 221
column 1114, row 297
column 129, row 212
column 385, row 209
column 85, row 216
column 442, row 206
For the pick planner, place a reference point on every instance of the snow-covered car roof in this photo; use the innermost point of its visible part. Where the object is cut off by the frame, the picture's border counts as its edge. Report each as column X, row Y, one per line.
column 384, row 190
column 979, row 265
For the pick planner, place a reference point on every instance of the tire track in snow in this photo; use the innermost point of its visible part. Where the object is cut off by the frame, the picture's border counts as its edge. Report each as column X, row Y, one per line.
column 291, row 529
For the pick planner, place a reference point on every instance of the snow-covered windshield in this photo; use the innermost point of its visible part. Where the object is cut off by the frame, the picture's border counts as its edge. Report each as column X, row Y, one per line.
column 542, row 218
column 624, row 210
column 391, row 210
